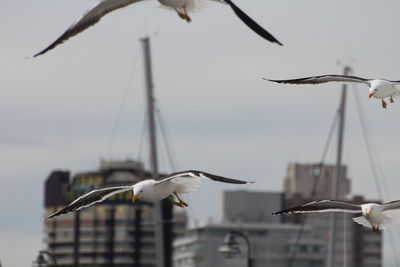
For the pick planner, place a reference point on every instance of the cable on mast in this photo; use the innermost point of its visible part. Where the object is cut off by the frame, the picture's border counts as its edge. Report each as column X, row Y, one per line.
column 171, row 158
column 315, row 185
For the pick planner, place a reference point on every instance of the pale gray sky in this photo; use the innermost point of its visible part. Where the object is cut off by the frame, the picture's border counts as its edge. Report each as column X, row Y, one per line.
column 59, row 109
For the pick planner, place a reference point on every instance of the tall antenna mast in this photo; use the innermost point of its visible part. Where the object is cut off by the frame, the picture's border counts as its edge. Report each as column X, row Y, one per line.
column 158, row 207
column 336, row 180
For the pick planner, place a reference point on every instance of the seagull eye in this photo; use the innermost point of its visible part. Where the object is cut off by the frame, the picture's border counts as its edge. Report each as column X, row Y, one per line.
column 376, row 90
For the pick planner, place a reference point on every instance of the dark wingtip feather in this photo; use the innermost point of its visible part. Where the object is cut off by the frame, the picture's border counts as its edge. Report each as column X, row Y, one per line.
column 281, row 212
column 252, row 24
column 50, row 47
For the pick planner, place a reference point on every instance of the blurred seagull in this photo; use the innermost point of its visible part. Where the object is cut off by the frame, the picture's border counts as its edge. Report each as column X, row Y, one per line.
column 378, row 88
column 149, row 190
column 373, row 216
column 181, row 7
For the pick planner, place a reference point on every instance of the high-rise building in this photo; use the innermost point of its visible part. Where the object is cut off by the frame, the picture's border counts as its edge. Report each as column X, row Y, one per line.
column 356, row 245
column 271, row 241
column 113, row 233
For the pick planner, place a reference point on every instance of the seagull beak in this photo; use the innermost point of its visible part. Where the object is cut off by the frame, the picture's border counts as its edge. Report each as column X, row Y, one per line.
column 370, row 95
column 369, row 212
column 134, row 198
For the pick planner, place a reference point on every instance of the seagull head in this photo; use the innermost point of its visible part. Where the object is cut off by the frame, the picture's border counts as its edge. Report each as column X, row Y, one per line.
column 367, row 210
column 372, row 92
column 136, row 194
column 139, row 189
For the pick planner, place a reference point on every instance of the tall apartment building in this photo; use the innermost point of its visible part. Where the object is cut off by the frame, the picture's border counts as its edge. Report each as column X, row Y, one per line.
column 356, row 246
column 271, row 240
column 113, row 233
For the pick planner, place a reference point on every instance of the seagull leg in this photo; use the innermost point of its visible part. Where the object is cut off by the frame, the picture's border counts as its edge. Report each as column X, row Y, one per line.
column 180, row 200
column 183, row 15
column 391, row 99
column 188, row 19
column 375, row 229
column 384, row 105
column 176, row 203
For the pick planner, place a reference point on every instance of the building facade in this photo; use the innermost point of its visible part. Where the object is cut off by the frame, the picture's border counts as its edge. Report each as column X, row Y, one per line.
column 356, row 246
column 290, row 240
column 272, row 241
column 113, row 233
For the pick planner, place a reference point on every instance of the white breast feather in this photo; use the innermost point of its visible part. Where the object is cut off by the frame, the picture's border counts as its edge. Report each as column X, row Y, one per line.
column 191, row 5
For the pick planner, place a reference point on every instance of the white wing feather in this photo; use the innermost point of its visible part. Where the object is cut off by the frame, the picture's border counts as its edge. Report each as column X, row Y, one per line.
column 391, row 205
column 361, row 220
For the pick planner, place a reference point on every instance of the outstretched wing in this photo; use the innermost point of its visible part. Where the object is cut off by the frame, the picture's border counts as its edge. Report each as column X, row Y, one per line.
column 323, row 206
column 251, row 23
column 200, row 174
column 91, row 17
column 393, row 205
column 90, row 198
column 323, row 79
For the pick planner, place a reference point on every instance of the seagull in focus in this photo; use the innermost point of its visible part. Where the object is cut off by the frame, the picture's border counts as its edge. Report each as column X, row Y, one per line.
column 149, row 190
column 181, row 7
column 378, row 88
column 373, row 214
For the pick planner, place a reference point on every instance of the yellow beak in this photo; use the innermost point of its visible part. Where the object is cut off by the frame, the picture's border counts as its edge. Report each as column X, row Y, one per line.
column 370, row 95
column 369, row 212
column 134, row 198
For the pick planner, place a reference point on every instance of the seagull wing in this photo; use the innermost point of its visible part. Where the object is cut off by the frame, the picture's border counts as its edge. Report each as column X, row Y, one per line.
column 393, row 205
column 323, row 206
column 325, row 79
column 90, row 198
column 397, row 82
column 91, row 17
column 251, row 23
column 199, row 174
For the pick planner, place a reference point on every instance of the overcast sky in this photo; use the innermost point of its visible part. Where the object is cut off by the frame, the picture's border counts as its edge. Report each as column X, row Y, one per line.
column 59, row 110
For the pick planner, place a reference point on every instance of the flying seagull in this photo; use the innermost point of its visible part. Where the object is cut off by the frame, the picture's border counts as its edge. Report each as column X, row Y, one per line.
column 378, row 88
column 149, row 190
column 373, row 215
column 181, row 7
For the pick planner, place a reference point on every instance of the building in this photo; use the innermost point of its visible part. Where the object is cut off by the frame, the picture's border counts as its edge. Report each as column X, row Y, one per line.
column 313, row 181
column 236, row 207
column 356, row 245
column 113, row 233
column 283, row 241
column 272, row 241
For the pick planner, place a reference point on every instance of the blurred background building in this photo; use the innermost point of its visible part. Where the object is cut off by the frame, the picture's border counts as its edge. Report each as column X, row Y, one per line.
column 117, row 233
column 291, row 240
column 111, row 233
column 249, row 213
column 355, row 245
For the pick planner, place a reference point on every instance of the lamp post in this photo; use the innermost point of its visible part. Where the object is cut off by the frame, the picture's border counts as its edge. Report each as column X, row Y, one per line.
column 41, row 261
column 230, row 247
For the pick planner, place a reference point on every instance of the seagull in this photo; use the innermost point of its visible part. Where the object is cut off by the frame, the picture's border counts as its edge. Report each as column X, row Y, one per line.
column 149, row 190
column 378, row 88
column 181, row 7
column 373, row 214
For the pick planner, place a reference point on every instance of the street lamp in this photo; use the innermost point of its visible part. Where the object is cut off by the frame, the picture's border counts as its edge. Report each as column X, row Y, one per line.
column 41, row 261
column 230, row 247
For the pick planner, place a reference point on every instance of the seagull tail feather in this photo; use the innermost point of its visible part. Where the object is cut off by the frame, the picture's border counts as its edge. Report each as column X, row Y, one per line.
column 361, row 220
